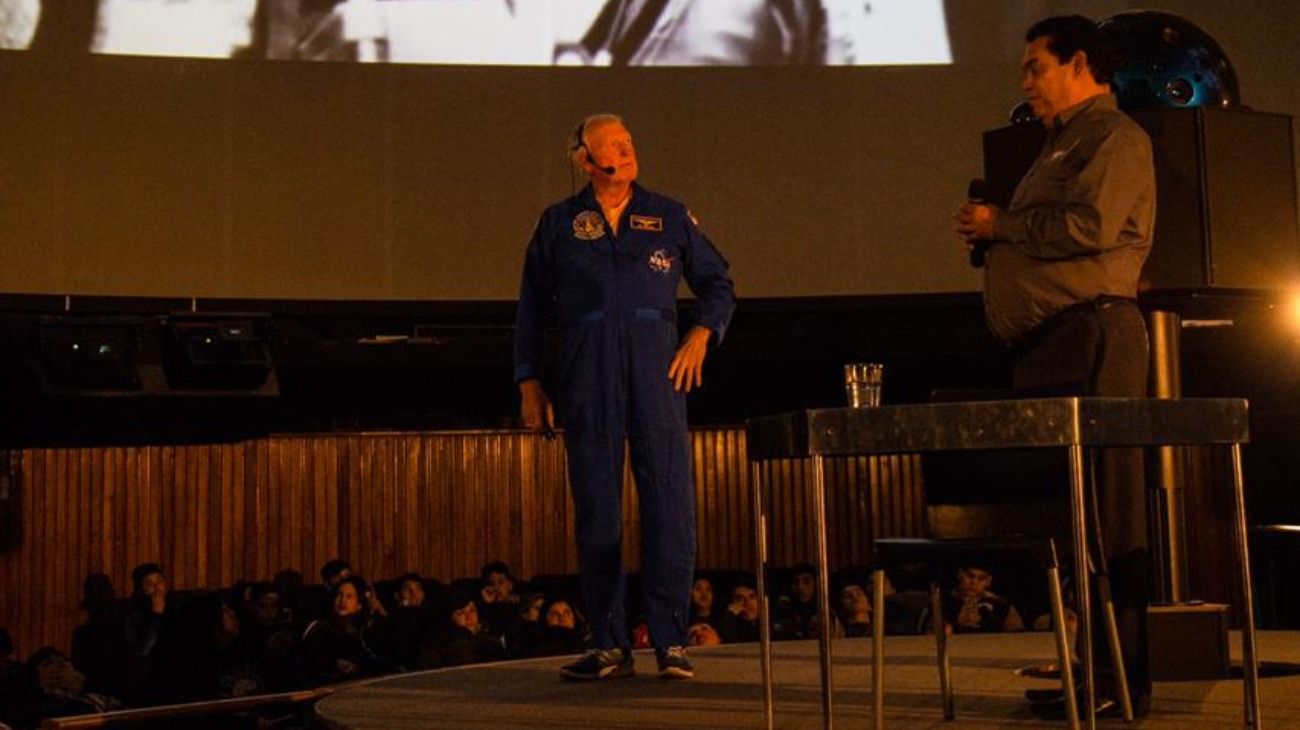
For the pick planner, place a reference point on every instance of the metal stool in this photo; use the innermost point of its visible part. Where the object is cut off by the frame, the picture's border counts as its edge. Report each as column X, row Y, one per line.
column 946, row 555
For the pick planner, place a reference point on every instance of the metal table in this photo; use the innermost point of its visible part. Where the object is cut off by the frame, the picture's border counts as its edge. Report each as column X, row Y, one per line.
column 1074, row 424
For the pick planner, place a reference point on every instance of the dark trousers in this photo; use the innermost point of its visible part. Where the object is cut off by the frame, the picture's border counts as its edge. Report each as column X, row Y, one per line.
column 1101, row 349
column 661, row 469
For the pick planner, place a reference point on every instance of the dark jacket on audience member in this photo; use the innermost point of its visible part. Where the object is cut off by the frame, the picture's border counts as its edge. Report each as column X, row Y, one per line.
column 337, row 649
column 453, row 646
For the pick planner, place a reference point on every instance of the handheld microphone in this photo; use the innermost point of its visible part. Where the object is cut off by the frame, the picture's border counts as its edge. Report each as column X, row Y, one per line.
column 977, row 193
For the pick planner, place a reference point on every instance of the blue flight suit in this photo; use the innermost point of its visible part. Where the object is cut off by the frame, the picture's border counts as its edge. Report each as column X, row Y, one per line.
column 615, row 299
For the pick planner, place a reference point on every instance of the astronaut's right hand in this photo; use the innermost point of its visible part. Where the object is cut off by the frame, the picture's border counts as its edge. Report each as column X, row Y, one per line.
column 535, row 407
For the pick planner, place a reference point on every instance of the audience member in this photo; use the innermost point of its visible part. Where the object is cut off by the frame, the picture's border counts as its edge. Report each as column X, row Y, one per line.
column 796, row 615
column 334, row 572
column 13, row 678
column 268, row 629
column 702, row 633
column 338, row 647
column 408, row 623
column 462, row 638
column 497, row 598
column 151, row 669
column 57, row 689
column 527, row 618
column 99, row 645
column 702, row 608
column 338, row 570
column 561, row 630
column 972, row 607
column 740, row 621
column 221, row 663
column 855, row 610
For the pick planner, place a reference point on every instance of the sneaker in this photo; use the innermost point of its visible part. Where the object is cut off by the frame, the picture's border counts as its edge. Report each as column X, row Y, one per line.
column 599, row 664
column 673, row 663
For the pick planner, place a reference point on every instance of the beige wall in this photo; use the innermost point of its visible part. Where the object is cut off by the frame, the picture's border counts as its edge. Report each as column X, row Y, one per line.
column 147, row 176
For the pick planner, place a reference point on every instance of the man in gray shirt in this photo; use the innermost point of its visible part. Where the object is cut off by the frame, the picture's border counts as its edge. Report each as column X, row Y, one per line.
column 1060, row 287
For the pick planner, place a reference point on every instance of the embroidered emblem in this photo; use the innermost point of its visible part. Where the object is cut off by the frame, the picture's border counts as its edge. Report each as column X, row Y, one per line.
column 660, row 262
column 646, row 223
column 588, row 226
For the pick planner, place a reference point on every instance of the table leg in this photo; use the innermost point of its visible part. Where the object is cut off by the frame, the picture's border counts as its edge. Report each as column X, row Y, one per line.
column 760, row 573
column 823, row 589
column 878, row 647
column 938, row 626
column 1063, row 659
column 1078, row 519
column 1249, row 660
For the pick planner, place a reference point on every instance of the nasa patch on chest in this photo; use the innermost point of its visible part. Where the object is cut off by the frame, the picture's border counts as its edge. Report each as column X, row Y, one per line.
column 588, row 226
column 660, row 262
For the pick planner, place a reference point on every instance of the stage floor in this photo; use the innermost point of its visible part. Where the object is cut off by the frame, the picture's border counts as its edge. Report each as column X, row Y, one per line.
column 727, row 692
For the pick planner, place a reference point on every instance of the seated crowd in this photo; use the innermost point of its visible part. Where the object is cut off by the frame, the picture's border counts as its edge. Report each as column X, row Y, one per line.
column 163, row 647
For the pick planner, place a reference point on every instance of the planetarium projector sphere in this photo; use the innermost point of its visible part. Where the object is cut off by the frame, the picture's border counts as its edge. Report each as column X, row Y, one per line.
column 1162, row 60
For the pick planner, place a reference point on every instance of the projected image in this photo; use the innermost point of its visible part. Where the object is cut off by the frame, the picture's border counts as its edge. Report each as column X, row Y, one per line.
column 494, row 32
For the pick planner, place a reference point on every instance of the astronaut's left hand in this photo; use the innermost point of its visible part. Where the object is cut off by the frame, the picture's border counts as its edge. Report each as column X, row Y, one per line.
column 687, row 368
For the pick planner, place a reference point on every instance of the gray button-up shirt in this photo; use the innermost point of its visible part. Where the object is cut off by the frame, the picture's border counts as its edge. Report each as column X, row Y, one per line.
column 1079, row 225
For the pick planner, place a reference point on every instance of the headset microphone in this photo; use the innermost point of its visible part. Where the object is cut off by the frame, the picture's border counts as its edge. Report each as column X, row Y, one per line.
column 607, row 169
column 581, row 144
column 977, row 192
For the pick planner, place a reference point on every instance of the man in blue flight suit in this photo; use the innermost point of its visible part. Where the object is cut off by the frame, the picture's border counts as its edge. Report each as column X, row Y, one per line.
column 606, row 264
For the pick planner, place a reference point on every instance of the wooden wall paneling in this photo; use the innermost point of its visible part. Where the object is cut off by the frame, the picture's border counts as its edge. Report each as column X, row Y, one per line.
column 424, row 495
column 742, row 501
column 705, row 498
column 33, row 548
column 440, row 503
column 279, row 537
column 477, row 513
column 482, row 454
column 529, row 520
column 464, row 501
column 349, row 470
column 495, row 545
column 26, row 554
column 359, row 505
column 207, row 506
column 710, row 481
column 233, row 478
column 406, row 496
column 115, row 474
column 305, row 449
column 57, row 565
column 384, row 520
column 81, row 539
column 437, row 510
column 19, row 611
column 48, row 538
column 323, row 521
column 552, row 520
column 102, row 510
column 512, row 518
column 257, row 509
column 502, row 519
